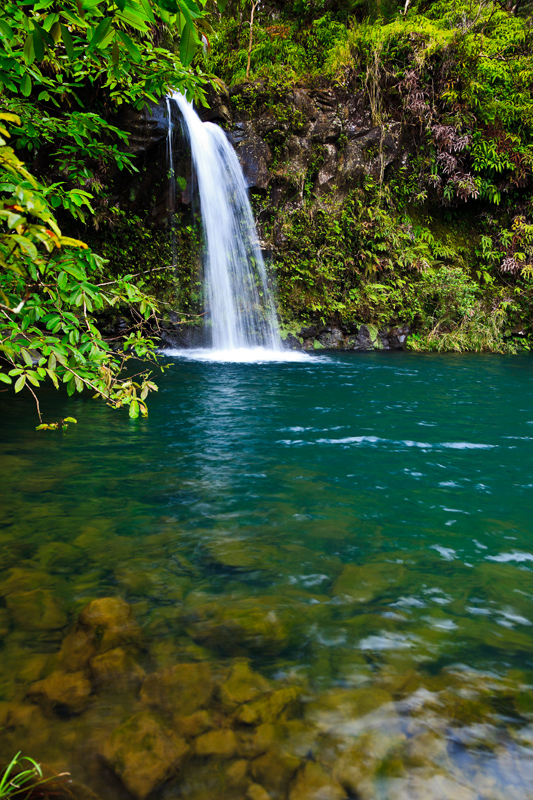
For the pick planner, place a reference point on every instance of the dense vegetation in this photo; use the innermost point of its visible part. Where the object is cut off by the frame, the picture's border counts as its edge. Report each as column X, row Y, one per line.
column 442, row 241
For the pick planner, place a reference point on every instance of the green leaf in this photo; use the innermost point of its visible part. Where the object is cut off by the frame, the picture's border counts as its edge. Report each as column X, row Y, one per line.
column 38, row 43
column 6, row 31
column 134, row 409
column 188, row 44
column 29, row 49
column 67, row 41
column 102, row 30
column 20, row 383
column 132, row 48
column 5, row 378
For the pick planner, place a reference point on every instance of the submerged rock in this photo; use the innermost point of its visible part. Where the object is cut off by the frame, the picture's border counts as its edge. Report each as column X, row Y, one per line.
column 36, row 610
column 249, row 624
column 271, row 707
column 103, row 625
column 364, row 583
column 221, row 743
column 181, row 689
column 143, row 754
column 313, row 783
column 116, row 666
column 65, row 693
column 242, row 685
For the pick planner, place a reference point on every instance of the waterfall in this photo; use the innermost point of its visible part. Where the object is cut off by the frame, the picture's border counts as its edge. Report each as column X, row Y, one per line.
column 172, row 184
column 239, row 301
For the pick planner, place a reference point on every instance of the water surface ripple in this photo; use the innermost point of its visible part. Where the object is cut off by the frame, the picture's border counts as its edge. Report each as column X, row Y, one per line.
column 348, row 536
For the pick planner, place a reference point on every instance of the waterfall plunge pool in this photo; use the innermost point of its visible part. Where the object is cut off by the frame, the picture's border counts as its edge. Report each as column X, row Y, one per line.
column 292, row 580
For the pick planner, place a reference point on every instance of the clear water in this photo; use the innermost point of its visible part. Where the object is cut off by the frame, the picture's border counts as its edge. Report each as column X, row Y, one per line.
column 357, row 527
column 239, row 301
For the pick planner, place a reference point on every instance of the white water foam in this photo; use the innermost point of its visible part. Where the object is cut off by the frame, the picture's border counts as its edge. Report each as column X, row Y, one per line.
column 239, row 301
column 243, row 355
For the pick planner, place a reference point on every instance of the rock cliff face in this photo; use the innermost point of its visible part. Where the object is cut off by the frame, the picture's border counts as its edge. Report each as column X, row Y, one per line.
column 308, row 142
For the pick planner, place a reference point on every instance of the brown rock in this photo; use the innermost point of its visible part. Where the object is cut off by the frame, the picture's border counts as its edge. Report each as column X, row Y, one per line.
column 256, row 792
column 194, row 725
column 363, row 583
column 313, row 783
column 274, row 770
column 236, row 772
column 110, row 619
column 221, row 743
column 64, row 692
column 37, row 610
column 270, row 707
column 143, row 754
column 181, row 689
column 242, row 685
column 117, row 666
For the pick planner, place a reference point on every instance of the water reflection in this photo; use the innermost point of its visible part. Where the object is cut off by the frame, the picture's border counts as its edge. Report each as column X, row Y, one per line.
column 294, row 591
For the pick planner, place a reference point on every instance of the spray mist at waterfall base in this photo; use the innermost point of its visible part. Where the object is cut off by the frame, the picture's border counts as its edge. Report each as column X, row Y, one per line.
column 241, row 355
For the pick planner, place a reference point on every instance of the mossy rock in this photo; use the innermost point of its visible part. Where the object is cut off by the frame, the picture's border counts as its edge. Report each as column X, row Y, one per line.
column 179, row 690
column 143, row 754
column 363, row 583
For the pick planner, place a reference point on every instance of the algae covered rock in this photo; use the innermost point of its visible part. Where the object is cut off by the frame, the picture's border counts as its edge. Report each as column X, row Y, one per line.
column 143, row 754
column 63, row 692
column 274, row 770
column 181, row 689
column 313, row 783
column 221, row 743
column 36, row 610
column 116, row 666
column 250, row 624
column 242, row 685
column 364, row 583
column 104, row 624
column 271, row 707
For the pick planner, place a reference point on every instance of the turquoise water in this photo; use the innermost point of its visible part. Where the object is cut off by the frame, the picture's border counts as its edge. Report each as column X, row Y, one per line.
column 355, row 528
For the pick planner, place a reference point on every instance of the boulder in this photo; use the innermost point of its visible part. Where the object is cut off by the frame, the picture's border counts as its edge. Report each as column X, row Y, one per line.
column 221, row 743
column 243, row 685
column 313, row 783
column 37, row 610
column 364, row 583
column 143, row 754
column 65, row 693
column 116, row 666
column 180, row 690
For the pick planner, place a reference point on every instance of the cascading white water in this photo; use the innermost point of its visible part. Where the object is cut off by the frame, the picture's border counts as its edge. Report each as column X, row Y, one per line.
column 239, row 301
column 172, row 183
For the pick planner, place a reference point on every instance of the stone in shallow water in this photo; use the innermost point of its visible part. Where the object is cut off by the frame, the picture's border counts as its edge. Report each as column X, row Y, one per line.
column 242, row 685
column 116, row 666
column 193, row 725
column 18, row 580
column 111, row 620
column 241, row 553
column 65, row 693
column 236, row 772
column 257, row 792
column 37, row 610
column 60, row 557
column 181, row 689
column 221, row 743
column 250, row 624
column 271, row 707
column 274, row 770
column 313, row 783
column 103, row 625
column 143, row 754
column 364, row 583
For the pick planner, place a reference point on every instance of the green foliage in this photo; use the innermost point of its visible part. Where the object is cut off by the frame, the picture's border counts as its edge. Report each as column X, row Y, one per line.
column 48, row 49
column 23, row 776
column 50, row 288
